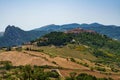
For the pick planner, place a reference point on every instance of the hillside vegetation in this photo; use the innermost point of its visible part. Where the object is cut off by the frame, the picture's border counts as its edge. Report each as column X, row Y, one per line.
column 93, row 40
column 105, row 49
column 82, row 55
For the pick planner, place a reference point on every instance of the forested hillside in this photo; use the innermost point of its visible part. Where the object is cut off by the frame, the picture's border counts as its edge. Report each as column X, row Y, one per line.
column 104, row 48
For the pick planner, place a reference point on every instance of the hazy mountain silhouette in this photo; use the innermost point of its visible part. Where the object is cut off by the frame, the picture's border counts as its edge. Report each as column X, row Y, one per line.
column 16, row 36
column 109, row 30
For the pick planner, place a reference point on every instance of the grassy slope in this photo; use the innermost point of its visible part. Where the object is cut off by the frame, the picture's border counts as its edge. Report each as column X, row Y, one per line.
column 91, row 46
column 38, row 58
column 66, row 51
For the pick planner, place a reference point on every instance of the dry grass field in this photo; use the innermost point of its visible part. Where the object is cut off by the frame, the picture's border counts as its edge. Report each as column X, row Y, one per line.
column 40, row 59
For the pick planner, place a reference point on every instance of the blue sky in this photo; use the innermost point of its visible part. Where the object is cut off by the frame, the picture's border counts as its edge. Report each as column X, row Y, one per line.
column 30, row 14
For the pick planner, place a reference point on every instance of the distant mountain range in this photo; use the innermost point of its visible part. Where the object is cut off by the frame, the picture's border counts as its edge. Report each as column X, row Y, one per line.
column 109, row 30
column 16, row 36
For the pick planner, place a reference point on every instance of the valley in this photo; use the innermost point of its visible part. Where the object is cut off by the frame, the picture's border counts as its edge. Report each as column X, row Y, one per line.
column 59, row 40
column 74, row 52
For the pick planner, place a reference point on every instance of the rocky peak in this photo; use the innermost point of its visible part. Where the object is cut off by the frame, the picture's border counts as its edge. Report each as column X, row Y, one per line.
column 12, row 31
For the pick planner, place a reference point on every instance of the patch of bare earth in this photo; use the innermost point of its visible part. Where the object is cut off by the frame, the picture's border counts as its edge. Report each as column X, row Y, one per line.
column 20, row 58
column 62, row 62
column 94, row 73
column 39, row 58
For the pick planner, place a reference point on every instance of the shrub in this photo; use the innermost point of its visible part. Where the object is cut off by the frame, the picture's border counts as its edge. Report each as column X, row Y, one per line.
column 72, row 59
column 27, row 49
column 19, row 48
column 100, row 69
column 73, row 75
column 4, row 62
column 7, row 66
column 86, row 65
column 36, row 50
column 8, row 49
column 85, row 76
column 54, row 62
column 114, row 70
column 92, row 69
column 53, row 74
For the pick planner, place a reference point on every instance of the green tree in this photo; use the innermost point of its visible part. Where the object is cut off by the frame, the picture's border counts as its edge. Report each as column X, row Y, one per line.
column 8, row 66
